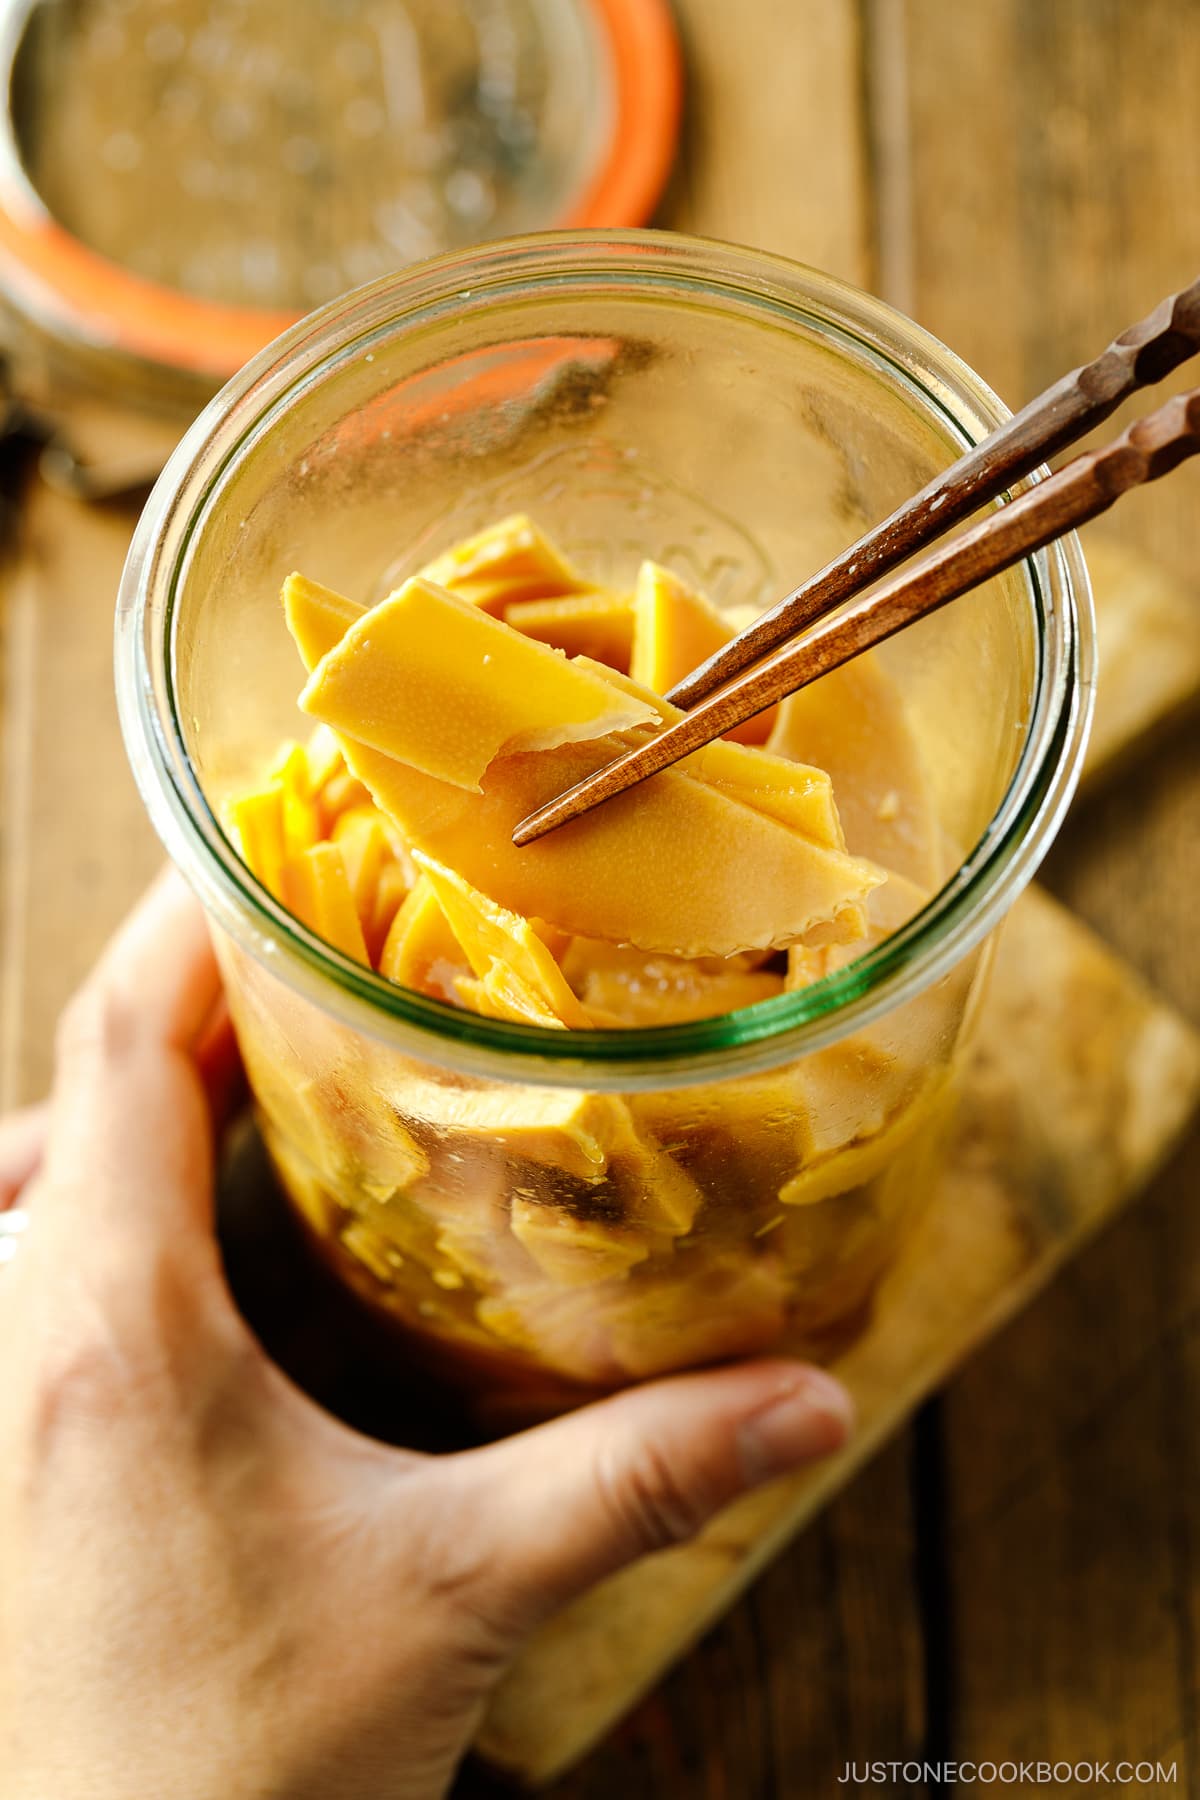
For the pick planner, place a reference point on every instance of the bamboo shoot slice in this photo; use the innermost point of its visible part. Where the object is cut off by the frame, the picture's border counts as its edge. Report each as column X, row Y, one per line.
column 430, row 680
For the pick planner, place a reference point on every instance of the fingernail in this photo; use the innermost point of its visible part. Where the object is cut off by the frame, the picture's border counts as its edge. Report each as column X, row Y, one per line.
column 812, row 1417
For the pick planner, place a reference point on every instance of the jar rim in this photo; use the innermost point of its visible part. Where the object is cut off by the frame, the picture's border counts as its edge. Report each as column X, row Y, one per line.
column 954, row 921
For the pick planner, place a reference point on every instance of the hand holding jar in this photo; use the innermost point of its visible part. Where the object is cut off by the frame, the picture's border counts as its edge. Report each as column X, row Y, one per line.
column 211, row 1586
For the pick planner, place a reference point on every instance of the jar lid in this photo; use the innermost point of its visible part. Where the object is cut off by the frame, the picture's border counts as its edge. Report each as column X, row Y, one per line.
column 180, row 181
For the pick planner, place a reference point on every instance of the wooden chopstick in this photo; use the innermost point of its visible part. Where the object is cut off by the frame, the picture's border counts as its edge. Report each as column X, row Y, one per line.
column 1060, row 416
column 1087, row 486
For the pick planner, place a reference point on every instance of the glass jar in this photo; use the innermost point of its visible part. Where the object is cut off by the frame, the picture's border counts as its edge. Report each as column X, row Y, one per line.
column 545, row 1214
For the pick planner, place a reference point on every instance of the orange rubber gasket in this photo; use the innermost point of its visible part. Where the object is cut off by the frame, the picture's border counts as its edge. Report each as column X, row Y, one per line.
column 648, row 91
column 96, row 301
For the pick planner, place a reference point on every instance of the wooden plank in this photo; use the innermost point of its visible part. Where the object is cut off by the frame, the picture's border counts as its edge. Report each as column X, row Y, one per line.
column 1037, row 233
column 1074, row 1600
column 77, row 845
column 1050, row 203
column 1080, row 1080
column 775, row 147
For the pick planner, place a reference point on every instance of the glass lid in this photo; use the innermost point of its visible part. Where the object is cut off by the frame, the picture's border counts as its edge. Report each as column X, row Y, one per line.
column 183, row 178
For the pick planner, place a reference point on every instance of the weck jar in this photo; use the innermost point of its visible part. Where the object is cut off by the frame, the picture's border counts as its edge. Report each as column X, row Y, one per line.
column 546, row 1214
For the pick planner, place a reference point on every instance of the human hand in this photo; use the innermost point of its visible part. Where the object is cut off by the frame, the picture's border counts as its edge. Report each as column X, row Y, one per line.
column 210, row 1587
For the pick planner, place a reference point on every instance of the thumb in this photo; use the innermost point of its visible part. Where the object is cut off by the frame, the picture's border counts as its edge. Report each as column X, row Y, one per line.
column 570, row 1502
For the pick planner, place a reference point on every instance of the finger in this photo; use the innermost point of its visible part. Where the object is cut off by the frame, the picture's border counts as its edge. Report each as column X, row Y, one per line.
column 22, row 1140
column 129, row 1150
column 548, row 1514
column 157, row 976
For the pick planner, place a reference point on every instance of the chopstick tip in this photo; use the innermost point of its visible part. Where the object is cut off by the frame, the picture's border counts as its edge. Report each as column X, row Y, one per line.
column 530, row 829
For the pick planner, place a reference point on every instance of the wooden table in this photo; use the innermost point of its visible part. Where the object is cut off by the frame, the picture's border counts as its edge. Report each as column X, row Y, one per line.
column 1018, row 1575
